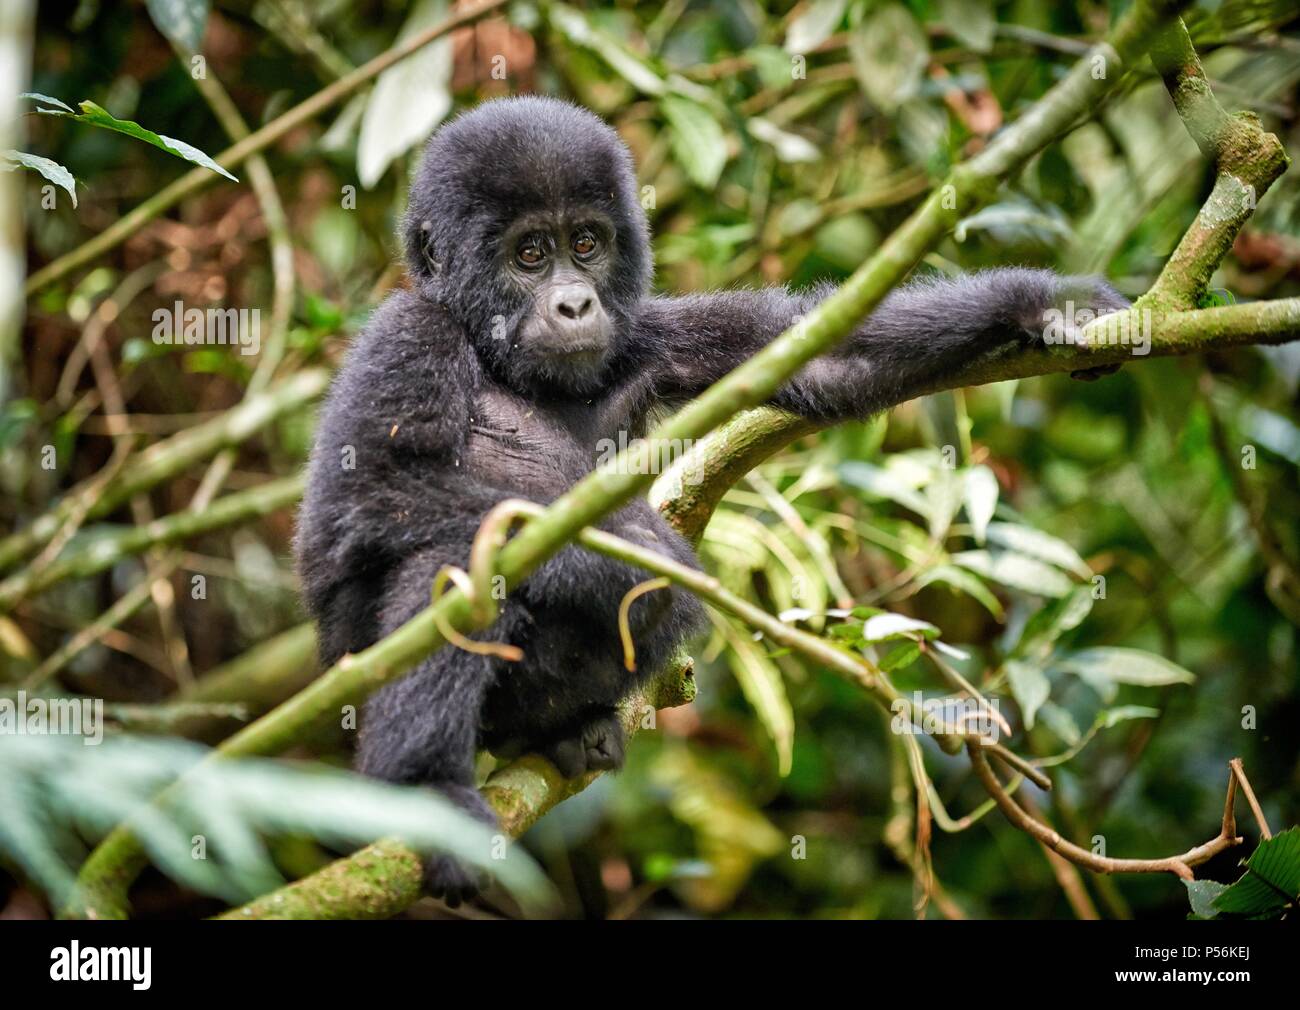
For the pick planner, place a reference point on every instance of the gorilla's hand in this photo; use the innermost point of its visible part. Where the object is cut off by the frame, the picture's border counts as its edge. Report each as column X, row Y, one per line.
column 1080, row 301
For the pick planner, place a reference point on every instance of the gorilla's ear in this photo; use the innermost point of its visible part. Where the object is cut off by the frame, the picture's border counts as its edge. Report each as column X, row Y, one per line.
column 421, row 263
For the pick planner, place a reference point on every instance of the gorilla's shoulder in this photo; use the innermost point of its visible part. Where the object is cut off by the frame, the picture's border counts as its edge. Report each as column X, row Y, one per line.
column 409, row 350
column 407, row 332
column 406, row 317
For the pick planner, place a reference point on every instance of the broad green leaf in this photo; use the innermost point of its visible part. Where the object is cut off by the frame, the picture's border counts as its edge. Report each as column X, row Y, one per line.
column 56, row 790
column 1052, row 621
column 47, row 100
column 972, row 22
column 887, row 627
column 1201, row 895
column 574, row 26
column 1016, row 571
column 815, row 25
column 182, row 21
column 981, row 499
column 395, row 120
column 698, row 142
column 1271, row 881
column 847, row 240
column 1015, row 222
column 52, row 170
column 1029, row 686
column 944, row 493
column 1060, row 722
column 883, row 483
column 889, row 53
column 93, row 115
column 1040, row 545
column 900, row 656
column 1104, row 667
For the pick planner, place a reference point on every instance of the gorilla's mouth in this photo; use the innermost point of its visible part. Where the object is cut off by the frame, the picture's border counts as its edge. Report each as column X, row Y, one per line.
column 578, row 351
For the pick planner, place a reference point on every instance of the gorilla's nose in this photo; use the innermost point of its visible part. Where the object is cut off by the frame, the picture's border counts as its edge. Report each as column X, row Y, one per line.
column 571, row 301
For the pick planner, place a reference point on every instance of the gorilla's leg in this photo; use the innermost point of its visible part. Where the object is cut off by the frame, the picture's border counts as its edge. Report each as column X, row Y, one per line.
column 423, row 729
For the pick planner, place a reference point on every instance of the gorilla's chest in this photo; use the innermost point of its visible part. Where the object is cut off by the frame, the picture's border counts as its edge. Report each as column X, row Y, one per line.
column 519, row 444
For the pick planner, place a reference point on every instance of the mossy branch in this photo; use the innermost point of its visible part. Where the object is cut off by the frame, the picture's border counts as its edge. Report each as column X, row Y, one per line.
column 1247, row 161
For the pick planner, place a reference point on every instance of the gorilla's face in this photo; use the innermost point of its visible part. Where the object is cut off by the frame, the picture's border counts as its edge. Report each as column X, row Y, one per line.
column 524, row 224
column 561, row 261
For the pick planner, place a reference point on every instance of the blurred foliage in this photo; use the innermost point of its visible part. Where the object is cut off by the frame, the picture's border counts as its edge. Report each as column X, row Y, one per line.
column 58, row 790
column 1088, row 555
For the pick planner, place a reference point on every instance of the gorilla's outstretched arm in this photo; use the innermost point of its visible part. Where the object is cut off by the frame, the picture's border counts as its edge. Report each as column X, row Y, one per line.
column 918, row 334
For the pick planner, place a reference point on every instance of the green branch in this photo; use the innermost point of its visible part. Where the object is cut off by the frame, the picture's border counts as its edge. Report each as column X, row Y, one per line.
column 106, row 551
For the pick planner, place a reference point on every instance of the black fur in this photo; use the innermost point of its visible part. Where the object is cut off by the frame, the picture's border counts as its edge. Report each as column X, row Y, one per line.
column 447, row 415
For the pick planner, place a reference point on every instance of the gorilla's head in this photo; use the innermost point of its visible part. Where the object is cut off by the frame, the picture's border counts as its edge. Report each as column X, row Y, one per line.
column 524, row 222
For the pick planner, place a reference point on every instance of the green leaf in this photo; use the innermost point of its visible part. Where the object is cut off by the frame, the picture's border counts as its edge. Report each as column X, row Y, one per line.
column 1029, row 686
column 1201, row 894
column 883, row 483
column 889, row 627
column 981, row 499
column 815, row 25
column 182, row 21
column 1060, row 722
column 1016, row 571
column 632, row 68
column 972, row 22
column 698, row 142
column 46, row 99
column 775, row 67
column 1271, row 882
column 52, row 170
column 889, row 53
column 1051, row 622
column 1111, row 717
column 392, row 123
column 1040, row 545
column 93, row 115
column 1104, row 667
column 901, row 656
column 1015, row 222
column 944, row 493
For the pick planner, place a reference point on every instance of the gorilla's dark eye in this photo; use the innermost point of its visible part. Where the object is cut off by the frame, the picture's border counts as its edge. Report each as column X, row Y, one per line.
column 584, row 244
column 530, row 253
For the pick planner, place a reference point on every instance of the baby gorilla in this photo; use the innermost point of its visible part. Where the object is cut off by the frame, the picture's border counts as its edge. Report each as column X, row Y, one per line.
column 528, row 342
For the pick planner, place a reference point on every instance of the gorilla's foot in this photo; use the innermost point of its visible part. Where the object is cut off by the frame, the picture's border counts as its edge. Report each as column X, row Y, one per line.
column 597, row 746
